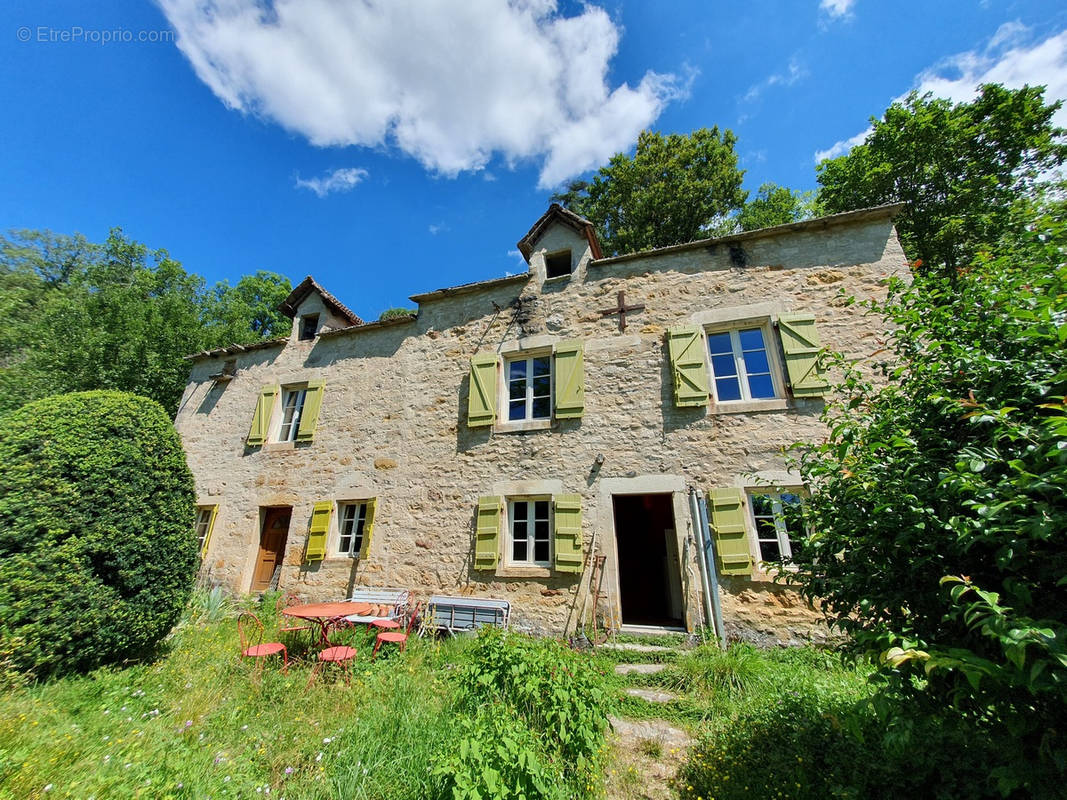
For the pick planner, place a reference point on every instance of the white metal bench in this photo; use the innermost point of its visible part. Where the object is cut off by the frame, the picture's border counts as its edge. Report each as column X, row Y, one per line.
column 395, row 599
column 461, row 614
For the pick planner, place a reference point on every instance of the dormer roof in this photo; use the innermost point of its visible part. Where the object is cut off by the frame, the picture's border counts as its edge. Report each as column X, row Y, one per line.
column 557, row 213
column 290, row 304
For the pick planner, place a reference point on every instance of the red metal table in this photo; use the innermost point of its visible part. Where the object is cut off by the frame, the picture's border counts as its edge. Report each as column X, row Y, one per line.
column 325, row 613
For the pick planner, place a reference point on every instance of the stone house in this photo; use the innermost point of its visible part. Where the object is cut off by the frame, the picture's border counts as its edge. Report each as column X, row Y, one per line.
column 526, row 436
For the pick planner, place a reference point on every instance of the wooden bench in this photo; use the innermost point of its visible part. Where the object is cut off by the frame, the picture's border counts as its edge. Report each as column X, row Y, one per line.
column 461, row 614
column 395, row 600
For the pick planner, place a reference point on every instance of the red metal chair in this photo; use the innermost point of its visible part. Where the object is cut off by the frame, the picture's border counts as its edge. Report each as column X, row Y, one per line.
column 397, row 637
column 250, row 631
column 340, row 655
column 284, row 601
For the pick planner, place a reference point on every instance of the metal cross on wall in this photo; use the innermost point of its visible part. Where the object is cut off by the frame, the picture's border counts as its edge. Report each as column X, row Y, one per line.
column 621, row 310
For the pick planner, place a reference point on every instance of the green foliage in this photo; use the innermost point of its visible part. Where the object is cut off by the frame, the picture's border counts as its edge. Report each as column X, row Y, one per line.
column 97, row 551
column 777, row 205
column 538, row 712
column 959, row 167
column 396, row 313
column 674, row 189
column 708, row 668
column 938, row 504
column 116, row 315
column 813, row 745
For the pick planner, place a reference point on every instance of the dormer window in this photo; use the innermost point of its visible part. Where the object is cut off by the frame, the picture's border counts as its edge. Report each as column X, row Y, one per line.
column 558, row 264
column 309, row 326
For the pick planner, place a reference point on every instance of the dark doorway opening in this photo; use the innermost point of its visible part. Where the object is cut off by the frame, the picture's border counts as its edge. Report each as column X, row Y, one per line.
column 272, row 538
column 649, row 578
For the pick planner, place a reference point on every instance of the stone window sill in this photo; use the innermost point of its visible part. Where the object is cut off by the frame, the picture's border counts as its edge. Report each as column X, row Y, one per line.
column 750, row 406
column 523, row 426
column 524, row 572
column 278, row 447
column 559, row 278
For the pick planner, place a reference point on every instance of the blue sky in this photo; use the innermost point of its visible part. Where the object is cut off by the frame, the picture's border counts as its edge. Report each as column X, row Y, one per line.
column 394, row 147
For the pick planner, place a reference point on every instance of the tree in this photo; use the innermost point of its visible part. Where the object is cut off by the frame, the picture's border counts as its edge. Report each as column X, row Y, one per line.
column 939, row 501
column 959, row 168
column 674, row 189
column 97, row 551
column 776, row 205
column 116, row 315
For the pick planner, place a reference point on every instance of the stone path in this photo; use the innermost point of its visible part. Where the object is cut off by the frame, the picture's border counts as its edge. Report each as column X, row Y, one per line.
column 640, row 669
column 637, row 648
column 651, row 695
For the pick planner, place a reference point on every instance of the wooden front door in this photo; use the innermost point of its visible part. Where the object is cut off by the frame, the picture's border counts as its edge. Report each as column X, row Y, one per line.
column 271, row 546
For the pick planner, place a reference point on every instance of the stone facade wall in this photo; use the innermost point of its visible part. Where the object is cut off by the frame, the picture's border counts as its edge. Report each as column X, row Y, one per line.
column 393, row 426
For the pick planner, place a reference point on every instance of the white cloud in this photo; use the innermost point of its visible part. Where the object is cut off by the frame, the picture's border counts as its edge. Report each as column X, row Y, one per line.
column 438, row 227
column 795, row 72
column 836, row 8
column 449, row 83
column 339, row 180
column 1009, row 58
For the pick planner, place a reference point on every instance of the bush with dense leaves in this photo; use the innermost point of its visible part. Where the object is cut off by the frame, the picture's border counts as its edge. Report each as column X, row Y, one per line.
column 537, row 712
column 813, row 745
column 97, row 551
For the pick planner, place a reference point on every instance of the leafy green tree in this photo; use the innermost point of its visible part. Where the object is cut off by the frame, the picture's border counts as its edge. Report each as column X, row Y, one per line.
column 674, row 189
column 939, row 500
column 248, row 311
column 97, row 551
column 958, row 166
column 776, row 205
column 116, row 315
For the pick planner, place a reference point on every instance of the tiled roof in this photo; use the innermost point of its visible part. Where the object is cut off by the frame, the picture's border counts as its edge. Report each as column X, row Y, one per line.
column 306, row 287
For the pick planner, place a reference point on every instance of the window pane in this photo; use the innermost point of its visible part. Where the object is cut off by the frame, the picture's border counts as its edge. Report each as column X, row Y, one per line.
column 542, row 408
column 727, row 389
column 719, row 343
column 760, row 386
column 517, row 369
column 769, row 550
column 542, row 386
column 541, row 510
column 756, row 362
column 761, row 504
column 723, row 366
column 541, row 551
column 542, row 366
column 517, row 409
column 516, row 390
column 519, row 550
column 520, row 511
column 751, row 339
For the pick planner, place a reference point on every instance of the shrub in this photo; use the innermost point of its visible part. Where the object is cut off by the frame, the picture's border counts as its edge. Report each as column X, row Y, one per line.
column 97, row 552
column 815, row 745
column 396, row 313
column 708, row 668
column 537, row 711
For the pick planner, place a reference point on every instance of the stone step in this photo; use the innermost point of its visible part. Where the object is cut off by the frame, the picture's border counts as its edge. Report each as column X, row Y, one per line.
column 637, row 648
column 651, row 695
column 655, row 729
column 641, row 669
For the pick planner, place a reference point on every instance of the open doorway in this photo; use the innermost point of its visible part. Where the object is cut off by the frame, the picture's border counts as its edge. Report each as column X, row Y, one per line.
column 650, row 590
column 272, row 538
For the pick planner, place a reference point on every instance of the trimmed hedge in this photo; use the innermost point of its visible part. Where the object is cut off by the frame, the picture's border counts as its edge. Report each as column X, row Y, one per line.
column 97, row 550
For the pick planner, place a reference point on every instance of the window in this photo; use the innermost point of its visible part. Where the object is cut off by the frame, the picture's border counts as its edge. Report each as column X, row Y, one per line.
column 529, row 387
column 775, row 516
column 309, row 326
column 352, row 527
column 740, row 365
column 558, row 264
column 292, row 408
column 205, row 517
column 531, row 532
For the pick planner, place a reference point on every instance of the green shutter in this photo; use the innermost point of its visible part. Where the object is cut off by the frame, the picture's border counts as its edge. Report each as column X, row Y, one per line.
column 481, row 401
column 685, row 347
column 309, row 415
column 487, row 533
column 567, row 542
column 257, row 435
column 368, row 529
column 210, row 527
column 320, row 527
column 570, row 380
column 727, row 511
column 800, row 344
